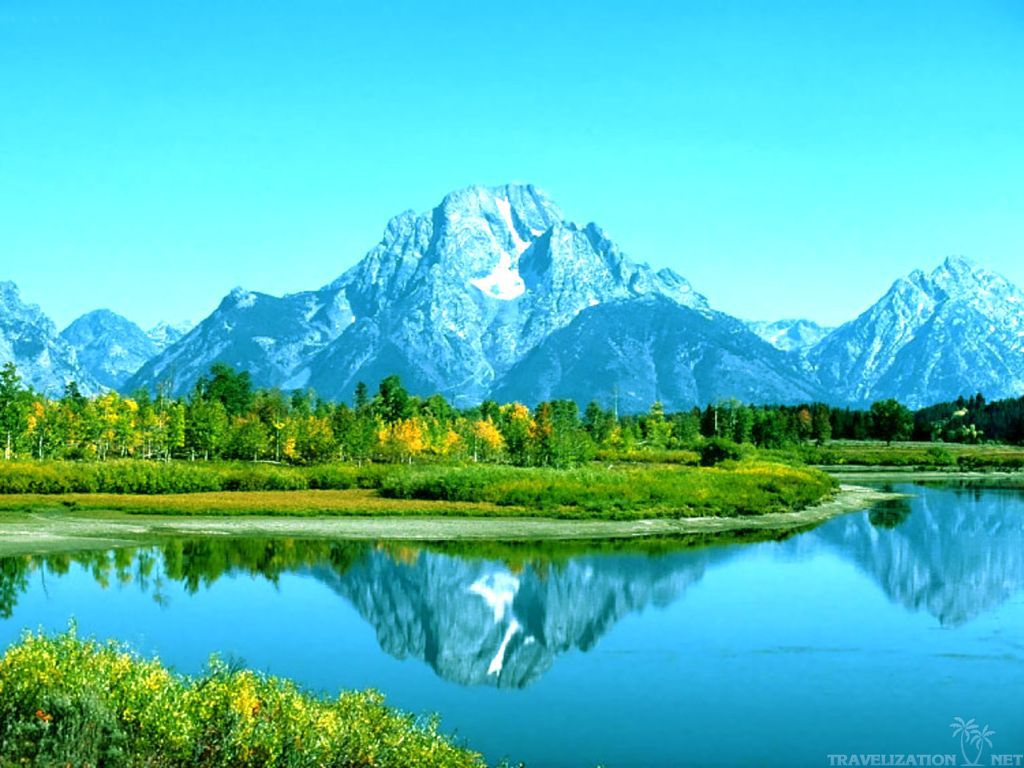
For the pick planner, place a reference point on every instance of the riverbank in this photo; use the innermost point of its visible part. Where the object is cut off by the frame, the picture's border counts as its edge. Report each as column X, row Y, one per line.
column 889, row 474
column 593, row 491
column 52, row 530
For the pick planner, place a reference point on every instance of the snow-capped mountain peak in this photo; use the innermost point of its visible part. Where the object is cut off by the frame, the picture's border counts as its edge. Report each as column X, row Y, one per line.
column 933, row 336
column 29, row 339
column 450, row 299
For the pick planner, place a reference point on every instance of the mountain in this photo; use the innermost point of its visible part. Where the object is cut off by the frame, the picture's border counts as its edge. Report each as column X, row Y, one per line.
column 493, row 293
column 29, row 339
column 165, row 334
column 109, row 347
column 633, row 353
column 932, row 337
column 789, row 335
column 450, row 300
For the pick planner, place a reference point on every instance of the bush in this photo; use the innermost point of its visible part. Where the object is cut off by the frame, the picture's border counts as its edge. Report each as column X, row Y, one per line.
column 717, row 449
column 65, row 701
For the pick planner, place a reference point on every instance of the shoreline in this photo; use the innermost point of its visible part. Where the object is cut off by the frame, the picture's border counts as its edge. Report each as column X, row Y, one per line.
column 35, row 532
column 911, row 474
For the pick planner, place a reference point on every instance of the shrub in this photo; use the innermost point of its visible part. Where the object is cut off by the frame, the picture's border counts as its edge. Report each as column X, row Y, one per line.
column 65, row 701
column 718, row 449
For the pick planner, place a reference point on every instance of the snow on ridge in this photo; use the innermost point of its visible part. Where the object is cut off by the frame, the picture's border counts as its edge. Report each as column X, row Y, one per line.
column 504, row 282
column 505, row 209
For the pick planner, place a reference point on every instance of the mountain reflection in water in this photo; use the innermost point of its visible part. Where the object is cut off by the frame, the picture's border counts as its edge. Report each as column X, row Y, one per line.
column 499, row 614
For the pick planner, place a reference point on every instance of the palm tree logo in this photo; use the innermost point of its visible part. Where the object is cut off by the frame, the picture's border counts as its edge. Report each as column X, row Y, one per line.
column 974, row 735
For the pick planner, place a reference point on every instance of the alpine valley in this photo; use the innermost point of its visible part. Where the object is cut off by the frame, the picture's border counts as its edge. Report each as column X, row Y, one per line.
column 494, row 294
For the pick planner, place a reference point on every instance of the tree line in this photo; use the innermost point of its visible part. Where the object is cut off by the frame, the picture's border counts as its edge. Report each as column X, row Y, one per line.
column 226, row 417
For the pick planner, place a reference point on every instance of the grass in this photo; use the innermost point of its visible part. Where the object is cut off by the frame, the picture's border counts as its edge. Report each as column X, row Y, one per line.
column 356, row 502
column 628, row 492
column 68, row 701
column 163, row 477
column 911, row 455
column 746, row 488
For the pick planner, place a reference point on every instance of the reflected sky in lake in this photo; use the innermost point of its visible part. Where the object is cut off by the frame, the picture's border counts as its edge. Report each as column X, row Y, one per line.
column 866, row 634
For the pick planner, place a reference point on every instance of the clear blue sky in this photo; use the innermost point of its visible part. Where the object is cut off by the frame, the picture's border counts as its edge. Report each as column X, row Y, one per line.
column 789, row 158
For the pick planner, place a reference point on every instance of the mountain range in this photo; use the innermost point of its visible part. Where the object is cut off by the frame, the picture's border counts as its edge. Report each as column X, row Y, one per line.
column 494, row 294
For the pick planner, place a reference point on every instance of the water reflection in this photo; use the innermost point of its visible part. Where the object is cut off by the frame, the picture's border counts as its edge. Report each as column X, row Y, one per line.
column 954, row 553
column 482, row 621
column 500, row 614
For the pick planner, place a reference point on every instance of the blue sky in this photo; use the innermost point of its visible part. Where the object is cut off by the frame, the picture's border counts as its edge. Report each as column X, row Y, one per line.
column 789, row 158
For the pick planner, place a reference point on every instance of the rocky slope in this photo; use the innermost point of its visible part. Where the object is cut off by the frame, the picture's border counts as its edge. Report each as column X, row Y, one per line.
column 790, row 335
column 932, row 337
column 633, row 353
column 29, row 339
column 109, row 347
column 451, row 300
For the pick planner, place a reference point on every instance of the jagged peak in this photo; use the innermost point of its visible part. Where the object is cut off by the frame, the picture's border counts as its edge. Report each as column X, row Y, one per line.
column 239, row 298
column 519, row 196
column 957, row 264
column 9, row 290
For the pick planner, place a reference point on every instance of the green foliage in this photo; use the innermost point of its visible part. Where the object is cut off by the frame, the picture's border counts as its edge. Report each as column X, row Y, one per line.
column 718, row 449
column 916, row 455
column 161, row 477
column 225, row 418
column 232, row 389
column 746, row 488
column 890, row 420
column 67, row 701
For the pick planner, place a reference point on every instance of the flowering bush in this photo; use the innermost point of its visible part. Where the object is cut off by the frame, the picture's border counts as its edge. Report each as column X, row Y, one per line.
column 68, row 701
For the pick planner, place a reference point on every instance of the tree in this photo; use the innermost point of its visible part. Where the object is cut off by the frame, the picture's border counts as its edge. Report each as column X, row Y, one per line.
column 233, row 389
column 517, row 426
column 890, row 420
column 599, row 423
column 821, row 423
column 248, row 438
column 487, row 440
column 657, row 430
column 12, row 407
column 392, row 402
column 206, row 425
column 362, row 398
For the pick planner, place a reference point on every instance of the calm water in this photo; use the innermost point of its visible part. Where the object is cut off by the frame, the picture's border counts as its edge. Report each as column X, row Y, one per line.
column 868, row 634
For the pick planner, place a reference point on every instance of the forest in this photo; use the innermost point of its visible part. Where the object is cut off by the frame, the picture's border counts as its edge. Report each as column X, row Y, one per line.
column 226, row 417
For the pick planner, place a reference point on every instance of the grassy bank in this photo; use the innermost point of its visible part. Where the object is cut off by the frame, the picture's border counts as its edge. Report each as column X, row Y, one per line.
column 739, row 489
column 927, row 456
column 42, row 530
column 594, row 492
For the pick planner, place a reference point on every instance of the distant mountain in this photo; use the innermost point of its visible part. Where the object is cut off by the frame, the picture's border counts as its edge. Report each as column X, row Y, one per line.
column 450, row 300
column 494, row 294
column 165, row 334
column 633, row 353
column 932, row 337
column 789, row 335
column 29, row 339
column 109, row 347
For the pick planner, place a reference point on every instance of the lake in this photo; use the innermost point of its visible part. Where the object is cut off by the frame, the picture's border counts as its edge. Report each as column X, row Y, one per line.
column 866, row 635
